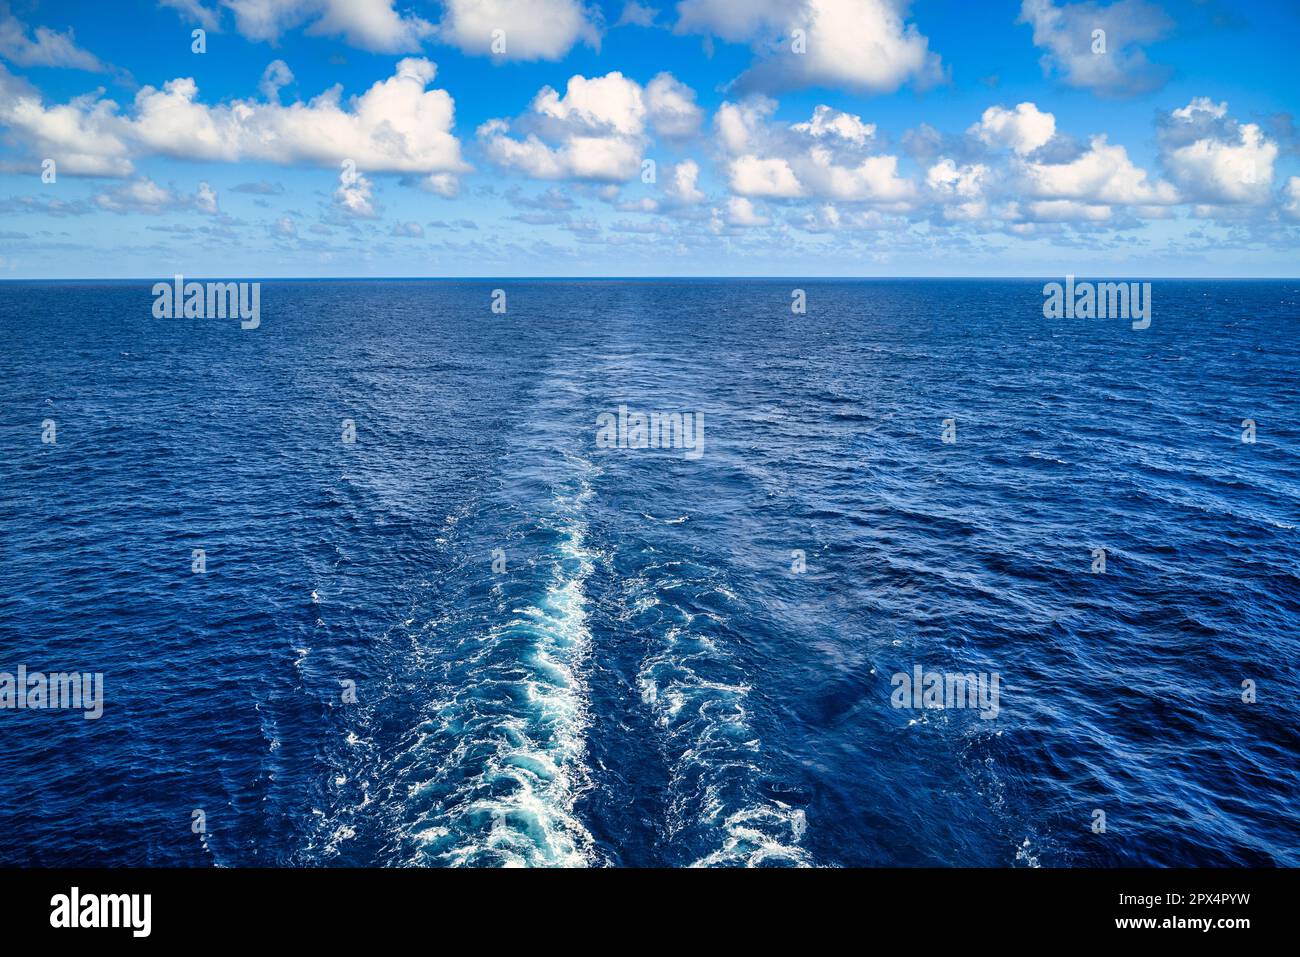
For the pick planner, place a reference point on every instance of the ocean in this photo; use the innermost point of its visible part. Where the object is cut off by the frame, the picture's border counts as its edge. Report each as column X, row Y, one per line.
column 368, row 585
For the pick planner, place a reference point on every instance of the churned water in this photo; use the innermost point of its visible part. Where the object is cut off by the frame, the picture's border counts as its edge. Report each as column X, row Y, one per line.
column 569, row 654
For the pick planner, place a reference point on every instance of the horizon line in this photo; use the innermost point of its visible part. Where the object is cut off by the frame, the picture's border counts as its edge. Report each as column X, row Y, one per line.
column 768, row 278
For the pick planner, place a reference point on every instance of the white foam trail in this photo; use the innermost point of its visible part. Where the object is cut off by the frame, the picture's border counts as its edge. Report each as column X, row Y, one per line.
column 527, row 765
column 714, row 773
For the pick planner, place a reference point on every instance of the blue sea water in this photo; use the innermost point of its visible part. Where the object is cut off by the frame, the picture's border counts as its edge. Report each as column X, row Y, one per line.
column 648, row 682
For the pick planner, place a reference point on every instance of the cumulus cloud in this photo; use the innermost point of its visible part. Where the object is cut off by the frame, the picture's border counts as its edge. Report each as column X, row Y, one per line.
column 1110, row 62
column 1103, row 174
column 741, row 212
column 276, row 75
column 372, row 25
column 671, row 107
column 598, row 130
column 960, row 189
column 353, row 196
column 83, row 136
column 826, row 157
column 528, row 29
column 1215, row 159
column 410, row 230
column 43, row 47
column 1023, row 130
column 860, row 45
column 832, row 123
column 206, row 199
column 682, row 187
column 143, row 195
column 398, row 125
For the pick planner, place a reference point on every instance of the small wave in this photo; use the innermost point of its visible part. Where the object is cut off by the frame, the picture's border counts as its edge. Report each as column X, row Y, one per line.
column 1043, row 456
column 666, row 521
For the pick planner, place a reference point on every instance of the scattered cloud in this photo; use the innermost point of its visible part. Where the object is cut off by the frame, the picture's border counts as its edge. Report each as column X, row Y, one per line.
column 671, row 107
column 597, row 131
column 1099, row 48
column 398, row 126
column 682, row 188
column 864, row 46
column 1292, row 195
column 372, row 25
column 741, row 212
column 284, row 228
column 194, row 11
column 353, row 196
column 520, row 29
column 143, row 195
column 1024, row 129
column 637, row 15
column 259, row 188
column 1215, row 159
column 276, row 75
column 42, row 46
column 830, row 156
column 1103, row 174
column 84, row 136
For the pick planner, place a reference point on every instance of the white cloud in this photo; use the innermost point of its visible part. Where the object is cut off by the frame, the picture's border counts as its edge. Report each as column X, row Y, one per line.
column 353, row 196
column 206, row 199
column 959, row 188
column 45, row 47
column 83, row 136
column 1201, row 105
column 672, row 108
column 1103, row 174
column 611, row 102
column 533, row 29
column 194, row 10
column 860, row 45
column 740, row 125
column 284, row 228
column 741, row 212
column 828, row 122
column 143, row 195
column 411, row 230
column 875, row 178
column 1112, row 64
column 1024, row 130
column 682, row 184
column 764, row 176
column 598, row 130
column 1292, row 193
column 1066, row 210
column 1239, row 172
column 637, row 14
column 824, row 157
column 276, row 75
column 369, row 24
column 947, row 178
column 828, row 218
column 396, row 126
column 1215, row 159
column 140, row 194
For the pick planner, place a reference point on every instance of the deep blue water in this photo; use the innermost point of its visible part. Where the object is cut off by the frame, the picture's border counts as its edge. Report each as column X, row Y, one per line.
column 649, row 682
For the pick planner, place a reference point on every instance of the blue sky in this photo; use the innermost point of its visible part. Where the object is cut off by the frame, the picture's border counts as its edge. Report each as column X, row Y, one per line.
column 705, row 137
